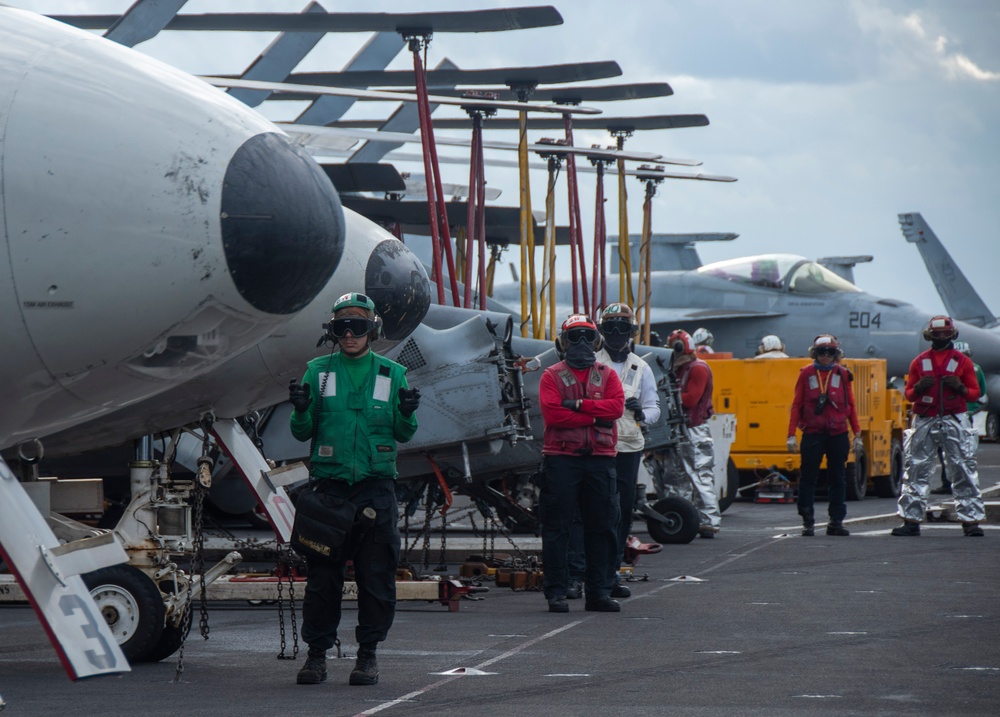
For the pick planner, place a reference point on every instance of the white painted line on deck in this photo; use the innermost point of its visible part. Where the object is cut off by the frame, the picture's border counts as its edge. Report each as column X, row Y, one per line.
column 534, row 641
column 513, row 651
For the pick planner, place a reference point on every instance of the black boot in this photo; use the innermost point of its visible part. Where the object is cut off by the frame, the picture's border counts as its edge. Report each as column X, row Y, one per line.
column 314, row 671
column 908, row 528
column 836, row 529
column 365, row 670
column 808, row 524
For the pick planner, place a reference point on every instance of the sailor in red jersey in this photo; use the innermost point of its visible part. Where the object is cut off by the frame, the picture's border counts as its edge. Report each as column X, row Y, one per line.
column 823, row 409
column 581, row 400
column 694, row 475
column 939, row 384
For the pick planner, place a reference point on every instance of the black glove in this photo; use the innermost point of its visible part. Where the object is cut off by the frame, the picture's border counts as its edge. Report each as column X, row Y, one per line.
column 409, row 401
column 635, row 406
column 570, row 403
column 954, row 383
column 298, row 395
column 601, row 423
column 924, row 383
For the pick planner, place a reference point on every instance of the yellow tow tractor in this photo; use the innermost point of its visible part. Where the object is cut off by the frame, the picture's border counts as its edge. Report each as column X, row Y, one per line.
column 760, row 391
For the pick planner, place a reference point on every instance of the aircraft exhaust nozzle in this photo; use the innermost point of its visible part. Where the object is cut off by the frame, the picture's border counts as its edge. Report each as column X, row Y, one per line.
column 282, row 225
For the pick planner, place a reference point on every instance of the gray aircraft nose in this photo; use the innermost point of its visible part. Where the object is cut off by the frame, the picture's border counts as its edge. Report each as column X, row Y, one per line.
column 282, row 225
column 397, row 283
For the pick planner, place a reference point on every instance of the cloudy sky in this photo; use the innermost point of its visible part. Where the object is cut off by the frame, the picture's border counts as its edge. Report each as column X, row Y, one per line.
column 835, row 115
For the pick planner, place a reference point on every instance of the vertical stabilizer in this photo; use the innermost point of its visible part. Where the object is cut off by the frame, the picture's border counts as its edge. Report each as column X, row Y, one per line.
column 960, row 300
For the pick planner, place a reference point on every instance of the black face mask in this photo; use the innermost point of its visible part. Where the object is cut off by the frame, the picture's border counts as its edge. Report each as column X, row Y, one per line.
column 618, row 353
column 940, row 344
column 580, row 355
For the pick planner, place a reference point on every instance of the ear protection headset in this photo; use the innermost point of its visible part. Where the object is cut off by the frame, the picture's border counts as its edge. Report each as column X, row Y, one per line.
column 577, row 321
column 353, row 299
column 828, row 341
column 680, row 342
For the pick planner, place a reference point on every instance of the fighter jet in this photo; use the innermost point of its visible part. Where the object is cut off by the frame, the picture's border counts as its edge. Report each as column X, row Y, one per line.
column 742, row 300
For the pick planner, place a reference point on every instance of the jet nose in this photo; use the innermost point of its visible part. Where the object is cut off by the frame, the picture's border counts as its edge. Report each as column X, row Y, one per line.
column 397, row 283
column 282, row 225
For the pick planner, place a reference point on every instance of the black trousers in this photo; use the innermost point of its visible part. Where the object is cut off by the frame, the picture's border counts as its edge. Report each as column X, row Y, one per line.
column 836, row 449
column 375, row 558
column 588, row 485
column 627, row 468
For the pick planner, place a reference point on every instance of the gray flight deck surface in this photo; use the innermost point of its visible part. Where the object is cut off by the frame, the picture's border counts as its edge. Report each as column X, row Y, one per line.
column 779, row 625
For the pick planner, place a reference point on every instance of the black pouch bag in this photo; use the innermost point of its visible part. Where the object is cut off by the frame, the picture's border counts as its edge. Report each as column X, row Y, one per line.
column 323, row 525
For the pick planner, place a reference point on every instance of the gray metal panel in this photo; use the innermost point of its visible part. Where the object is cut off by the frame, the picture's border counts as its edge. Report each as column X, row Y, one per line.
column 608, row 123
column 376, row 54
column 143, row 21
column 843, row 266
column 546, row 74
column 577, row 95
column 279, row 59
column 465, row 21
column 669, row 252
column 404, row 119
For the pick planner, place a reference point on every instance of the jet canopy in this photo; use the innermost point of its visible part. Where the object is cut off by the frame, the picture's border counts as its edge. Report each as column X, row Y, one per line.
column 779, row 271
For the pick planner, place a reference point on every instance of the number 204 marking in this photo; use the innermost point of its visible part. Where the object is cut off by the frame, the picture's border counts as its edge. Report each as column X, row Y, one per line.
column 865, row 320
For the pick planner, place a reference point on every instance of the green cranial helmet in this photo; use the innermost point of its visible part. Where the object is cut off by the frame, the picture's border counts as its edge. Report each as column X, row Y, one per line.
column 355, row 299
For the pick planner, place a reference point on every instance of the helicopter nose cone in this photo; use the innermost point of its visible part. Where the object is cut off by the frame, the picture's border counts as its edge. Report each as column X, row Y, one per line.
column 397, row 283
column 282, row 225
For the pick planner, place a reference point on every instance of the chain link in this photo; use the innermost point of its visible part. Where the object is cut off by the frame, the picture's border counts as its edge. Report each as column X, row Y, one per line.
column 284, row 569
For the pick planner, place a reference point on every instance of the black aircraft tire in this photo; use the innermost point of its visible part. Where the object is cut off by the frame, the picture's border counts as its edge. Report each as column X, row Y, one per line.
column 856, row 474
column 732, row 486
column 888, row 486
column 132, row 606
column 683, row 521
column 169, row 643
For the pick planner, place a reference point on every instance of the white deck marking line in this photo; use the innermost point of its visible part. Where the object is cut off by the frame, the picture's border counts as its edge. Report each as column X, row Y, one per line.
column 525, row 645
column 481, row 665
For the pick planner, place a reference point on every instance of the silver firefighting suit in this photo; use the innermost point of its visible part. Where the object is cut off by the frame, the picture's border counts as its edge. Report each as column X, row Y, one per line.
column 958, row 440
column 692, row 475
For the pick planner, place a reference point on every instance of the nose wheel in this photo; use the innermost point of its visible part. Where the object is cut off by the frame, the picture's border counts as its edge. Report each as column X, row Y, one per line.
column 132, row 606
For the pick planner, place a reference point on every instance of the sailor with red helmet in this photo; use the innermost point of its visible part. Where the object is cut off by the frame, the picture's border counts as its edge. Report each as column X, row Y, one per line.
column 581, row 400
column 823, row 409
column 939, row 384
column 697, row 454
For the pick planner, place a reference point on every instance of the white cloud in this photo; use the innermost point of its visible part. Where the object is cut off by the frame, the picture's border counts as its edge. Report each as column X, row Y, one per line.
column 908, row 50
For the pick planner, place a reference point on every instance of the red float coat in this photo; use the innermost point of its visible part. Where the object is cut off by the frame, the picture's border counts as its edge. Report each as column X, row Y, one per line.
column 569, row 432
column 939, row 364
column 695, row 378
column 839, row 411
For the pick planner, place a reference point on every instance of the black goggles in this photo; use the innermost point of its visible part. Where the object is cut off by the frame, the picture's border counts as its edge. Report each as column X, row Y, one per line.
column 575, row 336
column 356, row 325
column 616, row 326
column 826, row 351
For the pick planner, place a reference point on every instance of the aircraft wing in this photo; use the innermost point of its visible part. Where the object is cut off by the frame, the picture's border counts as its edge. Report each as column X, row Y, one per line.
column 670, row 315
column 49, row 575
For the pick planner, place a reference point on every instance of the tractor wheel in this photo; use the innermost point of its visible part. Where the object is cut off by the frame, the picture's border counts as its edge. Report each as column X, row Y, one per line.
column 682, row 523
